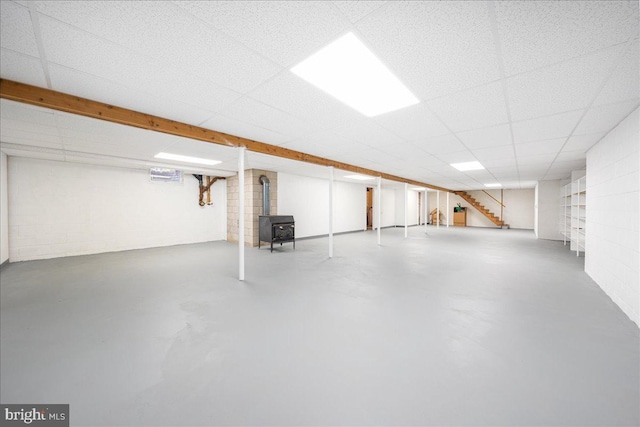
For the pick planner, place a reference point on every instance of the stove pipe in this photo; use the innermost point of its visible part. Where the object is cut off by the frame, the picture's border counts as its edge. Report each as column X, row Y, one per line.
column 266, row 204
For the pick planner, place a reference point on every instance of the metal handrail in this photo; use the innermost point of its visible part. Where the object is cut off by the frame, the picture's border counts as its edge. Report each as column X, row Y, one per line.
column 497, row 201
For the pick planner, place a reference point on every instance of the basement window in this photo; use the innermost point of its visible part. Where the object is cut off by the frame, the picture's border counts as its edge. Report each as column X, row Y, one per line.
column 165, row 175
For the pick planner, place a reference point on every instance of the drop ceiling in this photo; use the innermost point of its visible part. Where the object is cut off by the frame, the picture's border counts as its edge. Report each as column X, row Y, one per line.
column 525, row 88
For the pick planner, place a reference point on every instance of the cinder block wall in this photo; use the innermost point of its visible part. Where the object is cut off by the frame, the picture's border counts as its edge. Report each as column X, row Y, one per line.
column 252, row 204
column 613, row 192
column 58, row 209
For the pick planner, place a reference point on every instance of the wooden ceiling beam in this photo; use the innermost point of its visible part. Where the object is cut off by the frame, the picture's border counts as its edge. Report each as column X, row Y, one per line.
column 59, row 101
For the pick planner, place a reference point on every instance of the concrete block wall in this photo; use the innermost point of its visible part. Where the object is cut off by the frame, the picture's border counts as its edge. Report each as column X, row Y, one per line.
column 612, row 256
column 61, row 209
column 4, row 211
column 252, row 204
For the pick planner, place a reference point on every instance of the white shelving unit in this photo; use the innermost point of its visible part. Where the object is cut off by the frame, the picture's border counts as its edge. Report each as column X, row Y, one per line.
column 573, row 208
column 565, row 213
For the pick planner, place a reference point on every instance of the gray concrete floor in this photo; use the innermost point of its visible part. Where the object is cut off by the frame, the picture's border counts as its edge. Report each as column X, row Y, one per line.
column 454, row 327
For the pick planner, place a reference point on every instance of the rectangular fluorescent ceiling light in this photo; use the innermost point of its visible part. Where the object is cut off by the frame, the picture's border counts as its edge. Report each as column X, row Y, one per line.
column 493, row 185
column 350, row 72
column 360, row 177
column 186, row 159
column 467, row 166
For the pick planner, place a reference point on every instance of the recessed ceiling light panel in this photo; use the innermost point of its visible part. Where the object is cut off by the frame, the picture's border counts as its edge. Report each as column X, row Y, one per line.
column 187, row 159
column 467, row 166
column 350, row 72
column 493, row 185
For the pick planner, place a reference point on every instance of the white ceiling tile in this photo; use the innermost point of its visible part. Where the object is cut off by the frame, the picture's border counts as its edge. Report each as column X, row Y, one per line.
column 283, row 31
column 506, row 168
column 490, row 154
column 501, row 165
column 289, row 93
column 234, row 127
column 457, row 157
column 98, row 89
column 356, row 10
column 16, row 30
column 552, row 176
column 21, row 68
column 567, row 166
column 549, row 127
column 436, row 48
column 571, row 155
column 583, row 142
column 534, row 34
column 570, row 85
column 166, row 32
column 605, row 117
column 14, row 110
column 413, row 123
column 255, row 113
column 624, row 82
column 549, row 146
column 475, row 108
column 374, row 155
column 367, row 132
column 441, row 144
column 486, row 137
column 532, row 176
column 535, row 160
column 83, row 52
column 405, row 152
column 325, row 144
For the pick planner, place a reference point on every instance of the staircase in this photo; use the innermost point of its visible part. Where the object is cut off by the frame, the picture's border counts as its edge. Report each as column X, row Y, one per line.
column 484, row 211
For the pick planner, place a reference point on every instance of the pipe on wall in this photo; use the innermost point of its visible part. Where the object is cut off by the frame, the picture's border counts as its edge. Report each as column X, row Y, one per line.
column 266, row 201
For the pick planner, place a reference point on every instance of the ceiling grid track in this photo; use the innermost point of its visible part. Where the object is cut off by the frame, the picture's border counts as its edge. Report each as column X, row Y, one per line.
column 35, row 21
column 503, row 81
column 615, row 65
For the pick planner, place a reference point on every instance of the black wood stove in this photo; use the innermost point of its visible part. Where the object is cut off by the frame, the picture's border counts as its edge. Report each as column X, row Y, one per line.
column 277, row 229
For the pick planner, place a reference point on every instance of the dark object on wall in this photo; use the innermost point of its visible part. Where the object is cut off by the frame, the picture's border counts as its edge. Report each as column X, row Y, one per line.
column 276, row 229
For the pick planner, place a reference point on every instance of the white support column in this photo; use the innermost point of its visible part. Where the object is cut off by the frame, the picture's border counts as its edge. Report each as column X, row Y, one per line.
column 438, row 209
column 241, row 212
column 426, row 209
column 448, row 213
column 379, row 205
column 406, row 209
column 330, row 211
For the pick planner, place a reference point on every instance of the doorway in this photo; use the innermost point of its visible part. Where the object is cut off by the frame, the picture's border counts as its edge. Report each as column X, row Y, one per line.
column 369, row 208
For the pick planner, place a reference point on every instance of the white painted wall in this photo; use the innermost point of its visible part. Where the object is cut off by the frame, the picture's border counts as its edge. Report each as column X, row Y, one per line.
column 307, row 199
column 60, row 209
column 4, row 211
column 388, row 207
column 612, row 256
column 412, row 217
column 547, row 210
column 518, row 213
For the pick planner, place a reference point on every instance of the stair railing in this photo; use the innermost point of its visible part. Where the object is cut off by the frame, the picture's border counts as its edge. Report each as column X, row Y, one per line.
column 497, row 201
